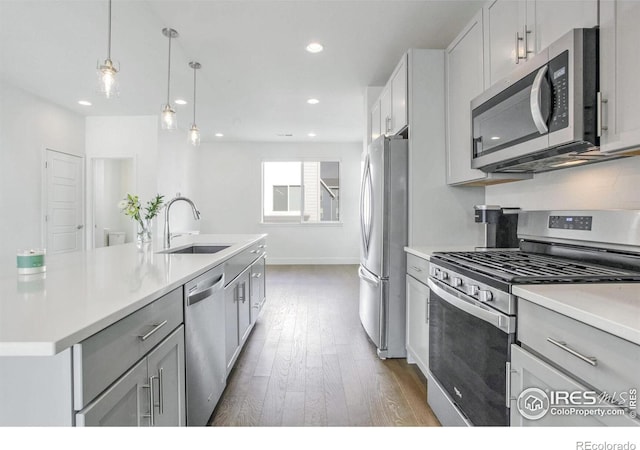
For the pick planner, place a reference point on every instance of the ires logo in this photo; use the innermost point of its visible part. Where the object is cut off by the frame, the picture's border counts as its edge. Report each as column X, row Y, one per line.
column 534, row 403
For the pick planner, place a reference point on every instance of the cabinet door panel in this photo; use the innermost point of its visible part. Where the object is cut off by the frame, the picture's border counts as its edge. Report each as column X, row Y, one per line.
column 231, row 323
column 527, row 371
column 123, row 404
column 465, row 80
column 385, row 110
column 399, row 92
column 619, row 67
column 257, row 288
column 166, row 362
column 244, row 306
column 552, row 19
column 418, row 323
column 503, row 19
column 376, row 131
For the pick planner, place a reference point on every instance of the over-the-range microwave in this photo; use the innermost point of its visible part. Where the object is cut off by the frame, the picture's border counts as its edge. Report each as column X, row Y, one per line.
column 543, row 116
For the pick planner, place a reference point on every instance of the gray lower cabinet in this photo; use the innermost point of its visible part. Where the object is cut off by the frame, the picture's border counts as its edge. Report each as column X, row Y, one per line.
column 151, row 393
column 418, row 324
column 258, row 282
column 237, row 316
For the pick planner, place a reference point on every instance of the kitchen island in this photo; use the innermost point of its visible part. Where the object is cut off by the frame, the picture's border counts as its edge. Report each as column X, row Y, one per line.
column 45, row 318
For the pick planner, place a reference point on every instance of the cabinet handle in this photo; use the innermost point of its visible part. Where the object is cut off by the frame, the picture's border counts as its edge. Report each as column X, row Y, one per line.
column 150, row 416
column 563, row 345
column 262, row 246
column 526, row 44
column 518, row 39
column 161, row 391
column 600, row 126
column 508, row 396
column 254, row 251
column 387, row 125
column 257, row 275
column 416, row 268
column 426, row 314
column 156, row 327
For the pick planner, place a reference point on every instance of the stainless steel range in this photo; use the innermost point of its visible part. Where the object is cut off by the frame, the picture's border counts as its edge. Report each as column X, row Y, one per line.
column 472, row 312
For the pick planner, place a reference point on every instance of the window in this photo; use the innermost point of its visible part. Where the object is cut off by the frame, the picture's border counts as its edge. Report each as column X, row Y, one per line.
column 301, row 192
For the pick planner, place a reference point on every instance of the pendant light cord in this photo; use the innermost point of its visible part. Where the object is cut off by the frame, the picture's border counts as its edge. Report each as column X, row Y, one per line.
column 109, row 35
column 195, row 68
column 169, row 70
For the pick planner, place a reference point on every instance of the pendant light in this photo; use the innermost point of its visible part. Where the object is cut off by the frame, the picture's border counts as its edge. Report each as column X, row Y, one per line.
column 194, row 132
column 108, row 83
column 168, row 118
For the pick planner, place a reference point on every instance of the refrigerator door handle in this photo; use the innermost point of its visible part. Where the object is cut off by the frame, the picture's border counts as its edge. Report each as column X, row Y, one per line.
column 362, row 188
column 368, row 278
column 371, row 206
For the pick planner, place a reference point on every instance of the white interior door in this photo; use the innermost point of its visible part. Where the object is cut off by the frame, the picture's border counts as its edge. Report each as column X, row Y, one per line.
column 64, row 216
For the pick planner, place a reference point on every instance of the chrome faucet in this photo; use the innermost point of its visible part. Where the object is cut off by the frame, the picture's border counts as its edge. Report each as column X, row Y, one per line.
column 167, row 232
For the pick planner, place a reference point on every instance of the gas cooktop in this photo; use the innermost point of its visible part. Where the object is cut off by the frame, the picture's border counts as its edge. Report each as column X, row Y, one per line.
column 518, row 267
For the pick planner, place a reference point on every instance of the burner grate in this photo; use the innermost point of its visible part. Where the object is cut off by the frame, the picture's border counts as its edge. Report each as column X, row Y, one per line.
column 521, row 267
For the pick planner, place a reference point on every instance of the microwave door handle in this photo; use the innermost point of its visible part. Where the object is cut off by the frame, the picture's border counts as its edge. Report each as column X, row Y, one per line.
column 536, row 101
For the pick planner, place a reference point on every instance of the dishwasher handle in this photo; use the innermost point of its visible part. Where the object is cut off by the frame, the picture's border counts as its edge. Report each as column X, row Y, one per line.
column 204, row 289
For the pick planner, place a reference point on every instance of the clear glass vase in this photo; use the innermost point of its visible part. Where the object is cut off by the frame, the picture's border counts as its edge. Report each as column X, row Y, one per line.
column 144, row 232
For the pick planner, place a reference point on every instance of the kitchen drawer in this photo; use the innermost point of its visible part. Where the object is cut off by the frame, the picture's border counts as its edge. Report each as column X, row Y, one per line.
column 418, row 268
column 102, row 358
column 617, row 361
column 235, row 266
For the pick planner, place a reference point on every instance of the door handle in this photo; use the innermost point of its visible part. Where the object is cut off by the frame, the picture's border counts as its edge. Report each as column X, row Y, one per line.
column 80, row 227
column 600, row 127
column 366, row 277
column 588, row 359
column 535, row 101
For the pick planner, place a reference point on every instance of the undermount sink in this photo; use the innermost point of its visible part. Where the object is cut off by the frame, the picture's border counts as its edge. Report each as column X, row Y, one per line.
column 197, row 248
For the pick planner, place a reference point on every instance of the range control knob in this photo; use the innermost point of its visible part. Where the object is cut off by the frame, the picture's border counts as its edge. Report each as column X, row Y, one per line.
column 473, row 289
column 441, row 275
column 456, row 282
column 485, row 296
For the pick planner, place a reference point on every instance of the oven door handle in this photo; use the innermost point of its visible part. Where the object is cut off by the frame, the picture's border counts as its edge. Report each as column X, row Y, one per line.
column 473, row 307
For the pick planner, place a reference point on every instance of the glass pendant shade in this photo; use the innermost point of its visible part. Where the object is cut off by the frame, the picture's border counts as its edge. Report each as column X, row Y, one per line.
column 194, row 135
column 168, row 118
column 107, row 80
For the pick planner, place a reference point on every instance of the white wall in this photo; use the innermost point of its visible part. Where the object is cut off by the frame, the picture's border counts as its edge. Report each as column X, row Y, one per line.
column 124, row 137
column 177, row 166
column 606, row 185
column 229, row 196
column 28, row 125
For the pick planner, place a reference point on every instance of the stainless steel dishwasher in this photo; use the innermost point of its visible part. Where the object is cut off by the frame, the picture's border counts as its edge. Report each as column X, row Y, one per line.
column 205, row 346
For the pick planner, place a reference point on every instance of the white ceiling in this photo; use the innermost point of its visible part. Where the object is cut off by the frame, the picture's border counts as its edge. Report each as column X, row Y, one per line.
column 255, row 77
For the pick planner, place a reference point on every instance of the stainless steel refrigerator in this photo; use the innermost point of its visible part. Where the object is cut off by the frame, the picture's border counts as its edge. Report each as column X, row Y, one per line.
column 383, row 223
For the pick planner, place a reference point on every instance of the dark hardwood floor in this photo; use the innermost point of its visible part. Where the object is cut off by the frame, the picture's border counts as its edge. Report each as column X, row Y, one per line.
column 308, row 361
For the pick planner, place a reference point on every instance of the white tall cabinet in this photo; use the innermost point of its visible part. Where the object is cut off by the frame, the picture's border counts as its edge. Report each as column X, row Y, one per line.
column 619, row 68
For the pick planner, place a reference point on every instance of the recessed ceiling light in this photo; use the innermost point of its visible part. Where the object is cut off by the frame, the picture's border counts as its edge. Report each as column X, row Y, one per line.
column 219, row 135
column 315, row 47
column 313, row 101
column 495, row 138
column 311, row 135
column 181, row 102
column 84, row 102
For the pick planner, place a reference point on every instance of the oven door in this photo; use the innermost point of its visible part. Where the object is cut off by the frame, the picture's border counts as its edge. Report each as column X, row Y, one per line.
column 469, row 346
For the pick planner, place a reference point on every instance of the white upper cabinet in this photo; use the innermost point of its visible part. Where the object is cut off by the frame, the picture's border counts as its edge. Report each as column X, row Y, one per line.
column 516, row 30
column 385, row 110
column 619, row 69
column 549, row 20
column 464, row 81
column 399, row 95
column 504, row 37
column 375, row 118
column 389, row 114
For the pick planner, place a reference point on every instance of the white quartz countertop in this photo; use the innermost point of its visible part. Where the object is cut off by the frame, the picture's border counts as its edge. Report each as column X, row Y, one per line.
column 82, row 293
column 614, row 308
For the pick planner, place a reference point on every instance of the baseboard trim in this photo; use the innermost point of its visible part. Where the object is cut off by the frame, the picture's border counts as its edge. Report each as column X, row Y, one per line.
column 311, row 261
